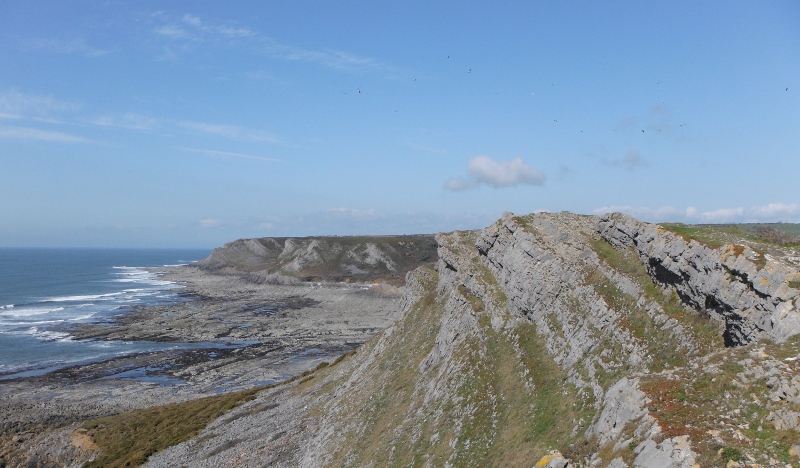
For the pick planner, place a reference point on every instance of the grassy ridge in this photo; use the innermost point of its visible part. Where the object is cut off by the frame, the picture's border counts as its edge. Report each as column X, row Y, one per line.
column 716, row 235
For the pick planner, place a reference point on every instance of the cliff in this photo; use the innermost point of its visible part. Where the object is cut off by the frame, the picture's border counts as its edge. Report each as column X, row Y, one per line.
column 553, row 340
column 281, row 260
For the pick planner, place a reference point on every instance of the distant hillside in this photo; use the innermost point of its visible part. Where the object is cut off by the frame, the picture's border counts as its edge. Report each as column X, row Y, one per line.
column 345, row 258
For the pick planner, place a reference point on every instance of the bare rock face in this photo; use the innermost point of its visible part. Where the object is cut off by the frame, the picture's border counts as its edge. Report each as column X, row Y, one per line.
column 349, row 258
column 727, row 283
column 549, row 340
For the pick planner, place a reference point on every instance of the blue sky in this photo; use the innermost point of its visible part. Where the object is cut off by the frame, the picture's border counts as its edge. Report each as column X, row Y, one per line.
column 196, row 123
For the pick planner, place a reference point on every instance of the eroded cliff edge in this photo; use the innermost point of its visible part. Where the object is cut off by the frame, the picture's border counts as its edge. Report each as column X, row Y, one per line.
column 558, row 339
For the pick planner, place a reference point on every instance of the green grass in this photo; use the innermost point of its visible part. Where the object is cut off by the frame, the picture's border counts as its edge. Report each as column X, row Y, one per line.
column 386, row 406
column 475, row 301
column 706, row 335
column 715, row 235
column 130, row 438
column 710, row 235
column 521, row 405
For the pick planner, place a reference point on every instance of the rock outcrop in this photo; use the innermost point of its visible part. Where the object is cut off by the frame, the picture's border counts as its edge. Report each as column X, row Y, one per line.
column 728, row 283
column 284, row 260
column 550, row 340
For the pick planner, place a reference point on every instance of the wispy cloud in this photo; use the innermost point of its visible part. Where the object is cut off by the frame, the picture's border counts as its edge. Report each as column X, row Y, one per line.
column 173, row 32
column 27, row 105
column 354, row 213
column 773, row 212
column 210, row 223
column 484, row 170
column 632, row 160
column 657, row 120
column 428, row 149
column 67, row 47
column 131, row 121
column 28, row 133
column 135, row 121
column 232, row 132
column 229, row 154
column 191, row 29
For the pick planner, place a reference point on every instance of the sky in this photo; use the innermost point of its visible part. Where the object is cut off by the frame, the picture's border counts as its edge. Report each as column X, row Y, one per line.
column 192, row 124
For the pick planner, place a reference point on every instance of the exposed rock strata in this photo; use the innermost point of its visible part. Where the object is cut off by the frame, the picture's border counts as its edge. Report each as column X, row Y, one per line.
column 543, row 332
column 350, row 258
column 726, row 283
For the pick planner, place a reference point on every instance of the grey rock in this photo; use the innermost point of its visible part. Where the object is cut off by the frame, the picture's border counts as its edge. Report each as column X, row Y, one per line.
column 673, row 452
column 722, row 282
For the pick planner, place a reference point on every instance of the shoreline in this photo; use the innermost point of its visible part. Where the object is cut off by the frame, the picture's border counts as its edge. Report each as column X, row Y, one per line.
column 256, row 335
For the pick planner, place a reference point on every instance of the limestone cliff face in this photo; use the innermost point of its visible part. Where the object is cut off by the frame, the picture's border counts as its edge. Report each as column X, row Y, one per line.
column 551, row 340
column 728, row 283
column 346, row 258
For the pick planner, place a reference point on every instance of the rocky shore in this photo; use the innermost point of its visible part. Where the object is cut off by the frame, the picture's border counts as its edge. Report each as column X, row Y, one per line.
column 230, row 334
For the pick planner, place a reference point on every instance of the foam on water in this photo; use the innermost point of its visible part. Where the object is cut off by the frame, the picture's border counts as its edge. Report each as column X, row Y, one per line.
column 47, row 335
column 45, row 290
column 30, row 311
column 89, row 297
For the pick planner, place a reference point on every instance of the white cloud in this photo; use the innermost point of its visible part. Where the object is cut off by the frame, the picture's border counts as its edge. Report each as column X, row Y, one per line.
column 719, row 215
column 777, row 211
column 644, row 213
column 27, row 133
column 485, row 170
column 773, row 212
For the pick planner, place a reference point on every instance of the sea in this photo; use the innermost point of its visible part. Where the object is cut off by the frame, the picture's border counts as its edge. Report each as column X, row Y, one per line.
column 44, row 291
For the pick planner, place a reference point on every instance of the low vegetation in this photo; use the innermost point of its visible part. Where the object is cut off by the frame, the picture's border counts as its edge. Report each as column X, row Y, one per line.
column 725, row 413
column 130, row 438
column 711, row 235
column 704, row 334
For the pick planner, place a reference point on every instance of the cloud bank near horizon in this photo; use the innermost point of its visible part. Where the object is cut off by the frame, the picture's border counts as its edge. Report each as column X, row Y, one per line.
column 772, row 212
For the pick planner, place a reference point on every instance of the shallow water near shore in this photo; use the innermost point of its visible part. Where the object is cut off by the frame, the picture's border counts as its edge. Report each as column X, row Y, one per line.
column 44, row 291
